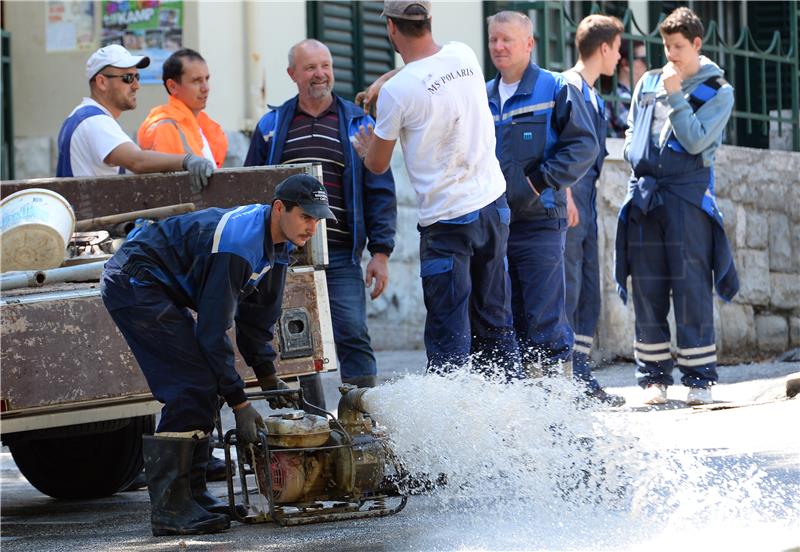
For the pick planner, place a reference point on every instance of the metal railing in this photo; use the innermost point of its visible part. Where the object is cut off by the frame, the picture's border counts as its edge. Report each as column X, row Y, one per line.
column 767, row 80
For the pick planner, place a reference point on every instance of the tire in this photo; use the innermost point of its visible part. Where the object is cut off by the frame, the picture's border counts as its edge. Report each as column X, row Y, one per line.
column 312, row 390
column 91, row 462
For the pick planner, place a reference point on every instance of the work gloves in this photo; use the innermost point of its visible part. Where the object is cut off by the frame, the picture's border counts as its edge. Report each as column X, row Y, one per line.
column 274, row 383
column 199, row 169
column 248, row 422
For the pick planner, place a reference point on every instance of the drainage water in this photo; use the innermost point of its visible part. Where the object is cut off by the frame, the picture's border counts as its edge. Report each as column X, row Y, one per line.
column 529, row 467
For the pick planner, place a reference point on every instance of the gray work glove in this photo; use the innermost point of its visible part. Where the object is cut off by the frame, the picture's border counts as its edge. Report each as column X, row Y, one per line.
column 274, row 383
column 248, row 422
column 199, row 169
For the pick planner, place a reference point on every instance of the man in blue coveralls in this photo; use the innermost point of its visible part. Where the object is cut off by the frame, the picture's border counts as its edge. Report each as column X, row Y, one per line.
column 545, row 143
column 597, row 40
column 317, row 125
column 670, row 236
column 227, row 265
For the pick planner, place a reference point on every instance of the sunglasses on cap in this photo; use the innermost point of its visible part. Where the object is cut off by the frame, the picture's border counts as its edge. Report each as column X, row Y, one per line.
column 127, row 78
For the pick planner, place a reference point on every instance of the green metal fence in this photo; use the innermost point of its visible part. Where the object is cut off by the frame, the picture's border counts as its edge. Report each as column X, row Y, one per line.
column 766, row 77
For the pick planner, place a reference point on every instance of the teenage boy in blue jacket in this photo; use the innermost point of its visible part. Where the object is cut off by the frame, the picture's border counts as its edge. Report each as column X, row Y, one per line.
column 670, row 236
column 318, row 126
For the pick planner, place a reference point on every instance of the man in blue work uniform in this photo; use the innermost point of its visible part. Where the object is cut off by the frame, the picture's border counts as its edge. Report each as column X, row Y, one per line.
column 317, row 126
column 545, row 143
column 226, row 265
column 670, row 236
column 597, row 40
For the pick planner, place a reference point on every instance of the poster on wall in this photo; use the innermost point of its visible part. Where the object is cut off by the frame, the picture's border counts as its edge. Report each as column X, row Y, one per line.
column 146, row 28
column 69, row 25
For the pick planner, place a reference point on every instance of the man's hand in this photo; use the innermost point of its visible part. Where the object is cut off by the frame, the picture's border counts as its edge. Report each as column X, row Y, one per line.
column 573, row 216
column 364, row 140
column 377, row 270
column 369, row 98
column 274, row 383
column 672, row 78
column 248, row 422
column 199, row 169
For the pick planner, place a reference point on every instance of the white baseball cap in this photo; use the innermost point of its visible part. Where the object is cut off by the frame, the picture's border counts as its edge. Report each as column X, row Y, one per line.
column 116, row 56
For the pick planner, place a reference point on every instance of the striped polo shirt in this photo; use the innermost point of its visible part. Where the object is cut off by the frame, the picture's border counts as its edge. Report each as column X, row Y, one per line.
column 316, row 140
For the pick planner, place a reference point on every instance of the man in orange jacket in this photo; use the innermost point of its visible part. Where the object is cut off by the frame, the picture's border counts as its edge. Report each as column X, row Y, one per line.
column 181, row 125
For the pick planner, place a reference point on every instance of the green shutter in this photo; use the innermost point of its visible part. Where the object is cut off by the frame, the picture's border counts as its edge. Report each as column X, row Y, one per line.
column 355, row 32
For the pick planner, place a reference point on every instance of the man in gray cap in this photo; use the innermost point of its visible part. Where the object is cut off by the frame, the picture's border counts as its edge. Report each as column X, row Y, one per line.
column 91, row 142
column 229, row 266
column 436, row 105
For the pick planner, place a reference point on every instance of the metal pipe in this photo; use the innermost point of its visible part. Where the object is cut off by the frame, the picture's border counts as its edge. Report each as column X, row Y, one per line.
column 78, row 273
column 155, row 213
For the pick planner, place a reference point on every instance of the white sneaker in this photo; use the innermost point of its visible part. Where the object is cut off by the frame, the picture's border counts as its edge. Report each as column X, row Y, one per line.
column 698, row 396
column 655, row 394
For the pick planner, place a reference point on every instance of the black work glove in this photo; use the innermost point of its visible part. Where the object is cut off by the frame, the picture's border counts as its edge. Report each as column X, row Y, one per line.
column 248, row 422
column 274, row 383
column 199, row 169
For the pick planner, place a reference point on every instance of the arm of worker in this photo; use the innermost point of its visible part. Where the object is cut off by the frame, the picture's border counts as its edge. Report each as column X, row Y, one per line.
column 696, row 130
column 218, row 299
column 139, row 161
column 369, row 97
column 255, row 321
column 260, row 142
column 375, row 145
column 576, row 148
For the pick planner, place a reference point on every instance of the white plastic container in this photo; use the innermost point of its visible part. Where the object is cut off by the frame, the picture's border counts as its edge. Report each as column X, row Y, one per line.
column 35, row 228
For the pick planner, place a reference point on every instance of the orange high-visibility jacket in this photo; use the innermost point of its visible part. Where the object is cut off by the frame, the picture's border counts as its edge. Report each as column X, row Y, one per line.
column 173, row 128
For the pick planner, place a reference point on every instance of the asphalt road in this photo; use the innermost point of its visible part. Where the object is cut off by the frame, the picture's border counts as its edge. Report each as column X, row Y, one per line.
column 752, row 429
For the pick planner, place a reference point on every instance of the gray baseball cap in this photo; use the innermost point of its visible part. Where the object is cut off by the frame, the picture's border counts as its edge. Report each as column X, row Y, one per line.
column 398, row 8
column 308, row 193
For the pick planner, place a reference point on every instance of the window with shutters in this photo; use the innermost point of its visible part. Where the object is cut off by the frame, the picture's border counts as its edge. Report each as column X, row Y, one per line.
column 355, row 32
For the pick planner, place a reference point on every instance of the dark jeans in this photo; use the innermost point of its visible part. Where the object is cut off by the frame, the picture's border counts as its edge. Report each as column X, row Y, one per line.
column 347, row 295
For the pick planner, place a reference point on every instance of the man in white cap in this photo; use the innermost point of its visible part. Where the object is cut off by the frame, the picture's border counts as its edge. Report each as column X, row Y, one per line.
column 91, row 142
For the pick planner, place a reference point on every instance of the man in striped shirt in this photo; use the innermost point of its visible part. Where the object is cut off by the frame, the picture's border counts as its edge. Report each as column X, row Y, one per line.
column 317, row 126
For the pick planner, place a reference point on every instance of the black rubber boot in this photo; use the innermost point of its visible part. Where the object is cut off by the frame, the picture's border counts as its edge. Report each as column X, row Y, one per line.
column 197, row 480
column 362, row 381
column 173, row 510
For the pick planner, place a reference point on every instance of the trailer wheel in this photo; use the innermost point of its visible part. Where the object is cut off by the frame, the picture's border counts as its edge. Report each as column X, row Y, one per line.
column 312, row 390
column 89, row 463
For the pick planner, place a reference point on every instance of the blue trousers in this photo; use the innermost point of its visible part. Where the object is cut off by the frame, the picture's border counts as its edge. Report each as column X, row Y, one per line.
column 536, row 267
column 467, row 292
column 161, row 336
column 582, row 270
column 346, row 292
column 670, row 250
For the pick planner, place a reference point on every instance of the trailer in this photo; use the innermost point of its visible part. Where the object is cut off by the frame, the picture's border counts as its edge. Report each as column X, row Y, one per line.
column 73, row 402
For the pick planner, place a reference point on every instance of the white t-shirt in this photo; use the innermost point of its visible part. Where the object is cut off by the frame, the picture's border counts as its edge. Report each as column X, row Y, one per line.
column 506, row 91
column 207, row 148
column 93, row 140
column 437, row 107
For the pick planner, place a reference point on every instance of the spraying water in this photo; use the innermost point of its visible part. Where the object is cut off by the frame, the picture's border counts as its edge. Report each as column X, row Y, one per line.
column 534, row 465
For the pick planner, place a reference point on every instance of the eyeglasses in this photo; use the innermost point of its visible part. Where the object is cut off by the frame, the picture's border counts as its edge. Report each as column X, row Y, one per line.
column 127, row 78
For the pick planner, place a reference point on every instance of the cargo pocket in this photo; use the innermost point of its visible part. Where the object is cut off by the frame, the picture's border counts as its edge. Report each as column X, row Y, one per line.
column 505, row 215
column 432, row 267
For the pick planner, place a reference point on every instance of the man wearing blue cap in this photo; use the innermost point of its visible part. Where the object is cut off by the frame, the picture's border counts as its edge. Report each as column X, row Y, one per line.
column 91, row 142
column 227, row 265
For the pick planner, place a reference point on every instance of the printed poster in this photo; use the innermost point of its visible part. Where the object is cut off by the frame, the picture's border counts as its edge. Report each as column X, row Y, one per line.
column 69, row 25
column 146, row 28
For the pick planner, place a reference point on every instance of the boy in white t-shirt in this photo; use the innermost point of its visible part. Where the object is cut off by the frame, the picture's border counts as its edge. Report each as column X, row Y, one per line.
column 436, row 106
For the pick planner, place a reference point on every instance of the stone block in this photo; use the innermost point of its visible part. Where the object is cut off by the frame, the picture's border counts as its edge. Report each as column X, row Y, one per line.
column 753, row 269
column 735, row 225
column 772, row 332
column 796, row 245
column 33, row 157
column 794, row 331
column 785, row 291
column 780, row 244
column 757, row 229
column 402, row 184
column 737, row 333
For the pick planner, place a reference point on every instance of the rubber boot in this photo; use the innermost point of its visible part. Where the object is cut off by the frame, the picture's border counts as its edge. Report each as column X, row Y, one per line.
column 197, row 480
column 173, row 510
column 362, row 381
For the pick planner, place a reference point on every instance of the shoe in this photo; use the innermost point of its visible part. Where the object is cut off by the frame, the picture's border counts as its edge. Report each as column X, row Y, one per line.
column 655, row 393
column 698, row 396
column 173, row 510
column 139, row 482
column 600, row 394
column 198, row 478
column 216, row 469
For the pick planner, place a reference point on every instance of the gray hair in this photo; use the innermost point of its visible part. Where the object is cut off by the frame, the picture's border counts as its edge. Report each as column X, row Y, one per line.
column 303, row 43
column 508, row 16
